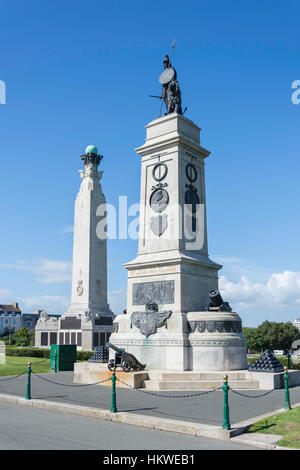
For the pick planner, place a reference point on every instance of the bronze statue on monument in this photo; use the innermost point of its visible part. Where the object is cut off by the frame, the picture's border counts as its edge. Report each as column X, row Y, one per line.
column 171, row 94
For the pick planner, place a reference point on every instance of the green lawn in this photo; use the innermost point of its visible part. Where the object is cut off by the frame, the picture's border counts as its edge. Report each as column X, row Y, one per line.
column 38, row 364
column 286, row 424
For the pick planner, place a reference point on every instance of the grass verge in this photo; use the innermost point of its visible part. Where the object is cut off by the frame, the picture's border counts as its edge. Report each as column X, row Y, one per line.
column 16, row 365
column 286, row 424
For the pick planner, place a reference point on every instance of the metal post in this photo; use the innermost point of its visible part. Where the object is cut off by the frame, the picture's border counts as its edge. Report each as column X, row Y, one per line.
column 55, row 361
column 28, row 389
column 287, row 404
column 113, row 407
column 225, row 388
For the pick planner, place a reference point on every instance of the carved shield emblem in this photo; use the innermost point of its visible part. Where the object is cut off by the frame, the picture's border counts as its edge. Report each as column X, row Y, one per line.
column 148, row 322
column 211, row 326
column 159, row 224
column 201, row 326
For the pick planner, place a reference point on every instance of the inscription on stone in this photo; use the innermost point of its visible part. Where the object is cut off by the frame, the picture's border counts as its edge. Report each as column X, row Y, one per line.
column 156, row 270
column 70, row 323
column 103, row 321
column 160, row 292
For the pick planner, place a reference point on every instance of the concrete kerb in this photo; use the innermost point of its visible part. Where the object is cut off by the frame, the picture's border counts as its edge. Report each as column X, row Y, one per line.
column 162, row 424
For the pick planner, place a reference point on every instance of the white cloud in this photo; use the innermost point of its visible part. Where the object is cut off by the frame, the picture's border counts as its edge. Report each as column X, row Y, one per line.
column 46, row 270
column 53, row 304
column 234, row 267
column 281, row 290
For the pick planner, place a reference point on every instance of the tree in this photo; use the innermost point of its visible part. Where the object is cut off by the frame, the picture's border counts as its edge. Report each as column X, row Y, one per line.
column 271, row 335
column 252, row 339
column 23, row 332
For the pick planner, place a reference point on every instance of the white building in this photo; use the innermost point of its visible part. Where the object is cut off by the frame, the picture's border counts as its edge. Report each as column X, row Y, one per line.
column 10, row 318
column 296, row 323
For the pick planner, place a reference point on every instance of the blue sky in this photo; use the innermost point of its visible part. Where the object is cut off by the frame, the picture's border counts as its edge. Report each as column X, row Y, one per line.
column 80, row 72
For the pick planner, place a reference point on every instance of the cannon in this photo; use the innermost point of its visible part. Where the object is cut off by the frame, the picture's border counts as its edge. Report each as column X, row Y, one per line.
column 217, row 303
column 123, row 359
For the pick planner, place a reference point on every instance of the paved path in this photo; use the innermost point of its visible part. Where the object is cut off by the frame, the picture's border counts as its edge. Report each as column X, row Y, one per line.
column 26, row 428
column 207, row 409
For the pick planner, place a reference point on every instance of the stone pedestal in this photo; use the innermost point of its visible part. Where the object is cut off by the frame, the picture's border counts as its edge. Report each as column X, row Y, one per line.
column 172, row 267
column 166, row 349
column 216, row 341
column 197, row 341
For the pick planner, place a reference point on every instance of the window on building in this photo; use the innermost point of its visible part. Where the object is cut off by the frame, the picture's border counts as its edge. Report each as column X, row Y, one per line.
column 44, row 339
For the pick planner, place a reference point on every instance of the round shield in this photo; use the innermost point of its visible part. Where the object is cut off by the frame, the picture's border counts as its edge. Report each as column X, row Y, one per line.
column 166, row 76
column 211, row 326
column 159, row 200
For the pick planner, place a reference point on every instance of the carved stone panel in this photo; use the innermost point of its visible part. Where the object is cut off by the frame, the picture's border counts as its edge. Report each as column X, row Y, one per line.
column 70, row 323
column 226, row 326
column 160, row 292
column 103, row 321
column 201, row 326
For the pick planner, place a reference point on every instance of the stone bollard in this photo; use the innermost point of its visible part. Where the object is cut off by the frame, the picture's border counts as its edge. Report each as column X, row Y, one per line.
column 113, row 408
column 225, row 388
column 287, row 404
column 28, row 389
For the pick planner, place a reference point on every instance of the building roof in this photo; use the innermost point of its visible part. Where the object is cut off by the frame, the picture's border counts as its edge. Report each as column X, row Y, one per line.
column 10, row 308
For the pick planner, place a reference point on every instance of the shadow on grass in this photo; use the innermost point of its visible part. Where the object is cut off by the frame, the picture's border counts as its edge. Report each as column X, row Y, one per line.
column 261, row 428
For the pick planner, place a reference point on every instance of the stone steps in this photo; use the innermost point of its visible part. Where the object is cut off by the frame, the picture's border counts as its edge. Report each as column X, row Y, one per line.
column 187, row 380
column 201, row 376
column 199, row 385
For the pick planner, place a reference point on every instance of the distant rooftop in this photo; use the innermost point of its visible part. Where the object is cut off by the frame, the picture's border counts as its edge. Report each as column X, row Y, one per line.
column 10, row 308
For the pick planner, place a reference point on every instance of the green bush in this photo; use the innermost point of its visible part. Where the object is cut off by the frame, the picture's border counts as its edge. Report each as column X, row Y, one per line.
column 27, row 352
column 84, row 355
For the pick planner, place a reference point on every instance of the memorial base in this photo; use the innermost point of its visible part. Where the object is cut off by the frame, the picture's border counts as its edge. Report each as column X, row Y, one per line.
column 170, row 380
column 206, row 341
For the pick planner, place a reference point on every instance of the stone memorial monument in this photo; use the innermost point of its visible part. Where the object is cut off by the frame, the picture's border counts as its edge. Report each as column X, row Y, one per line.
column 88, row 320
column 177, row 326
column 176, row 319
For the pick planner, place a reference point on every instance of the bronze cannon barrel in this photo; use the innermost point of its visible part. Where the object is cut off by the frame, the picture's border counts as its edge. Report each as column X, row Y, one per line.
column 215, row 298
column 115, row 348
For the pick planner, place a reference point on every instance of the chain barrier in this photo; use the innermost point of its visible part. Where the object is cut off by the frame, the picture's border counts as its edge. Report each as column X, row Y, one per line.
column 251, row 396
column 168, row 396
column 14, row 377
column 70, row 385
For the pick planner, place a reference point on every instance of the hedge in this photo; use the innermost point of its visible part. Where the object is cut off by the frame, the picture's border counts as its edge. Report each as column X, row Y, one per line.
column 44, row 353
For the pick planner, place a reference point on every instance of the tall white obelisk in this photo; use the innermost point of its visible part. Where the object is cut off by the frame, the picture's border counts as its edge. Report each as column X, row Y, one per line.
column 88, row 320
column 89, row 272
